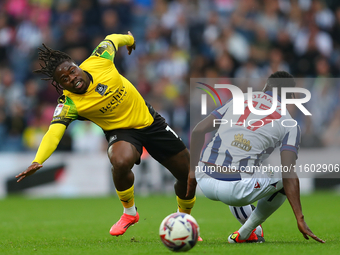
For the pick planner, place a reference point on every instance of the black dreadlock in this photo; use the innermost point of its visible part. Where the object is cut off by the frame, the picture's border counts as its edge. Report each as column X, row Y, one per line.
column 52, row 59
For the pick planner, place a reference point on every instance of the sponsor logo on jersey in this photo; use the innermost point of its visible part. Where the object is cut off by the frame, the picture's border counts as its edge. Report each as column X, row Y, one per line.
column 257, row 186
column 241, row 143
column 116, row 99
column 101, row 88
column 109, row 92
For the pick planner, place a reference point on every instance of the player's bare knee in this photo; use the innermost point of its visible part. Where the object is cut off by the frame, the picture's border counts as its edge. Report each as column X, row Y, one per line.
column 121, row 163
column 181, row 183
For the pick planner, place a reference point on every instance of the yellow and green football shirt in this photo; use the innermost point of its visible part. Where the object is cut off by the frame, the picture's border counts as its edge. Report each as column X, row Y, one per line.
column 110, row 101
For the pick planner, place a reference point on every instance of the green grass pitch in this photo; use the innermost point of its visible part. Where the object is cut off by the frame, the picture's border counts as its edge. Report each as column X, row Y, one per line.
column 81, row 226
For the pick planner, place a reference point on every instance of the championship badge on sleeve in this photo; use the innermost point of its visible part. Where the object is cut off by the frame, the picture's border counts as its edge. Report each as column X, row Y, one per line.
column 60, row 112
column 58, row 109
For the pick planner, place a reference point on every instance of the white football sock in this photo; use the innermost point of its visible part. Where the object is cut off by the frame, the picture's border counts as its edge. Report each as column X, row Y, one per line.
column 241, row 213
column 265, row 207
column 131, row 210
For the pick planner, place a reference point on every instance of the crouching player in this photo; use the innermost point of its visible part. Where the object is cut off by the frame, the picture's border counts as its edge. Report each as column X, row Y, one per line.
column 242, row 147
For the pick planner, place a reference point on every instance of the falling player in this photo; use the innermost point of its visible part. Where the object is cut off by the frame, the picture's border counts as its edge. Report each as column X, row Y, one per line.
column 95, row 91
column 225, row 170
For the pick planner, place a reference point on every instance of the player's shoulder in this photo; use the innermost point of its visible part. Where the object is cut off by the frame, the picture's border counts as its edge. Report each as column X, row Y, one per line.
column 106, row 49
column 61, row 99
column 291, row 128
column 65, row 99
column 66, row 109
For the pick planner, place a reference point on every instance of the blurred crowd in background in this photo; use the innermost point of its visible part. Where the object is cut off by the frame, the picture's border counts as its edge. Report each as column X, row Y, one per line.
column 175, row 40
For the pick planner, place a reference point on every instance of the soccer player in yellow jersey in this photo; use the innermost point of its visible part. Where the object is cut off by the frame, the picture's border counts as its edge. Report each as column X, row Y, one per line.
column 95, row 91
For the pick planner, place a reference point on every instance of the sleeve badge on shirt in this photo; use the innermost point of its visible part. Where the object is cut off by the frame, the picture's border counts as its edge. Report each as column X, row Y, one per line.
column 101, row 88
column 58, row 109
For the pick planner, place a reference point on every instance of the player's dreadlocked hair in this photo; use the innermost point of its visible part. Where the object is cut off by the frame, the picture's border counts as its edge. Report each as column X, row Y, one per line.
column 52, row 59
column 281, row 79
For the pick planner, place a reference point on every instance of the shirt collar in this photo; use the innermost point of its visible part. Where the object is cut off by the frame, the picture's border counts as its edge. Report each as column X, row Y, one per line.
column 89, row 75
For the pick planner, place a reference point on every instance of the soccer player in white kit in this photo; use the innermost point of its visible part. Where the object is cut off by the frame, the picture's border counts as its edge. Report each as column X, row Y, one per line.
column 229, row 167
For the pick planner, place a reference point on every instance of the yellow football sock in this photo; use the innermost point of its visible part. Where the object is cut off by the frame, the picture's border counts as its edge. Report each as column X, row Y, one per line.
column 127, row 197
column 185, row 206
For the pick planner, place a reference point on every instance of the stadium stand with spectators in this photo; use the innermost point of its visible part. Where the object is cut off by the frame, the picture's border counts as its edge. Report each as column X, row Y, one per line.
column 176, row 40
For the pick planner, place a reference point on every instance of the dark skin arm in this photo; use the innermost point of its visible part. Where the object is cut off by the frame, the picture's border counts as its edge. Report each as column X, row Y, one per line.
column 292, row 189
column 196, row 144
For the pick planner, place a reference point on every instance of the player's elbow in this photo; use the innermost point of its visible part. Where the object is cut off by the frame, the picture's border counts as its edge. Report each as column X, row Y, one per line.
column 110, row 35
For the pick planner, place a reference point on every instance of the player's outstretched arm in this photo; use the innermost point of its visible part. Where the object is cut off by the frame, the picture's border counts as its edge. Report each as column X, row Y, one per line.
column 292, row 189
column 120, row 40
column 47, row 146
column 196, row 144
column 198, row 138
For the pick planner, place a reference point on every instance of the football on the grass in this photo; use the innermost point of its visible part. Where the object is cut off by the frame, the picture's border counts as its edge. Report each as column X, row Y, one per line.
column 179, row 232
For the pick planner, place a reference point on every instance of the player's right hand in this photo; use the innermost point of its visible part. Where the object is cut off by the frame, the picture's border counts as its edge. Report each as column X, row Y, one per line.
column 305, row 230
column 131, row 47
column 29, row 171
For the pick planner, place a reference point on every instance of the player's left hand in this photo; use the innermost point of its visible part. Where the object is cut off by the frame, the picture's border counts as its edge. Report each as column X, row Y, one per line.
column 131, row 47
column 305, row 230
